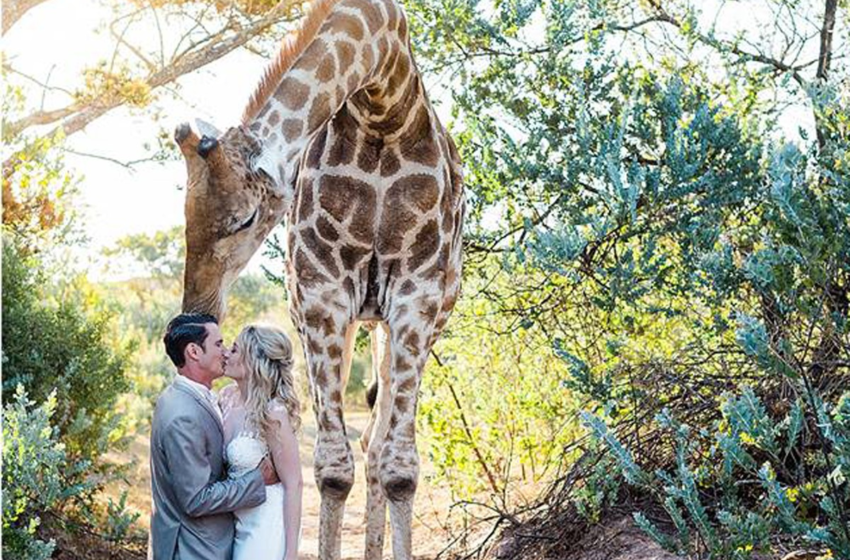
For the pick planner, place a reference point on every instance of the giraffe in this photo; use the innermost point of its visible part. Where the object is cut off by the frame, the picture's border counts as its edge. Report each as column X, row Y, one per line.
column 340, row 142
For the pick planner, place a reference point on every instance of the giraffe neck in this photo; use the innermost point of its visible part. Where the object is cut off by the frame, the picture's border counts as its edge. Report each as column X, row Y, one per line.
column 359, row 58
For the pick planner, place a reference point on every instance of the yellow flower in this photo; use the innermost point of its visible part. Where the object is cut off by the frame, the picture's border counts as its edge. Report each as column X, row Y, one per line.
column 826, row 555
column 792, row 494
column 747, row 438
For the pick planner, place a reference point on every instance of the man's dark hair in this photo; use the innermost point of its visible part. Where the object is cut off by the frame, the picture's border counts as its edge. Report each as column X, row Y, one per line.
column 182, row 330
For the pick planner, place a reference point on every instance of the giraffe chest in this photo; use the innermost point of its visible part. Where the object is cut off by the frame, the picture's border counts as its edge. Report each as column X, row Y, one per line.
column 352, row 214
column 395, row 208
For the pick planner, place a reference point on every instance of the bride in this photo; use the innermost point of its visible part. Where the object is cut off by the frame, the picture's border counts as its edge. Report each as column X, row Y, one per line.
column 261, row 415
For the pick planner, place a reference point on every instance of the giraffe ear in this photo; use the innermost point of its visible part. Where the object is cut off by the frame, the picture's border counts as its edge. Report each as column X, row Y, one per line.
column 206, row 129
column 263, row 163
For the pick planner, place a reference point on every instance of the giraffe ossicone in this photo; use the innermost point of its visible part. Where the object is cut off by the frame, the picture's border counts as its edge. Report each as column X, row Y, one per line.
column 341, row 142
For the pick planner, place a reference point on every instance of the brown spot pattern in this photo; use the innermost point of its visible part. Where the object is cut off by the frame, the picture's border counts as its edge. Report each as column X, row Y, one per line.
column 291, row 129
column 392, row 14
column 312, row 56
column 389, row 163
column 352, row 256
column 292, row 93
column 347, row 24
column 327, row 69
column 340, row 196
column 305, row 200
column 420, row 190
column 319, row 112
column 402, row 29
column 399, row 75
column 317, row 149
column 397, row 115
column 396, row 220
column 369, row 155
column 321, row 250
column 426, row 244
column 418, row 144
column 326, row 229
column 345, row 132
column 344, row 55
column 373, row 16
column 411, row 341
column 307, row 274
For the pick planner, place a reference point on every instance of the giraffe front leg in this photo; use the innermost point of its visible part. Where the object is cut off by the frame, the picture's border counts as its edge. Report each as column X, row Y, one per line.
column 324, row 340
column 373, row 441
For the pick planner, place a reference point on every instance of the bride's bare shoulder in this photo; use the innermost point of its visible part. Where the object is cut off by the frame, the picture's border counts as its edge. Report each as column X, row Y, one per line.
column 278, row 413
column 227, row 394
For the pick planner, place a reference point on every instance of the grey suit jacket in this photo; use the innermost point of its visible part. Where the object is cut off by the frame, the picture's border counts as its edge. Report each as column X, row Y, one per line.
column 192, row 498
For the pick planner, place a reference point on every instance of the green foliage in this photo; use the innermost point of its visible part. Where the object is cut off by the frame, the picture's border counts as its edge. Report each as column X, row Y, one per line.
column 36, row 474
column 116, row 521
column 598, row 491
column 37, row 188
column 495, row 416
column 636, row 204
column 159, row 256
column 64, row 348
column 742, row 519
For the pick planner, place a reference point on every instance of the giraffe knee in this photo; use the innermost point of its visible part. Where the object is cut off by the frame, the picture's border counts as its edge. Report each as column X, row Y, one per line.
column 399, row 476
column 335, row 486
column 334, row 476
column 400, row 487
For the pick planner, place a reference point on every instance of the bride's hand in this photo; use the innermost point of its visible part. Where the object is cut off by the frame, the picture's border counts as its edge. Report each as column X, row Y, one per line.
column 268, row 471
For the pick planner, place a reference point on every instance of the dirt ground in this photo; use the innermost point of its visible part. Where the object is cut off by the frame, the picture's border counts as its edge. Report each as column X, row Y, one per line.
column 432, row 501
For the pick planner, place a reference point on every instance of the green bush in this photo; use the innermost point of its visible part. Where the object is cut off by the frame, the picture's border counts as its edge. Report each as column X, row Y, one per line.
column 491, row 407
column 36, row 474
column 64, row 348
column 733, row 490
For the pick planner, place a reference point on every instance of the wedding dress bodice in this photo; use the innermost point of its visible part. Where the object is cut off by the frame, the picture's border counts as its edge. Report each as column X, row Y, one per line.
column 244, row 453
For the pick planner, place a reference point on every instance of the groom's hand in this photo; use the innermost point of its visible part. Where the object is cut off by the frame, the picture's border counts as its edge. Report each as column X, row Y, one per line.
column 268, row 472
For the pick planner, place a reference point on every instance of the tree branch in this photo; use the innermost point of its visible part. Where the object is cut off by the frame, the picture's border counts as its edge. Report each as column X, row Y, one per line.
column 78, row 115
column 663, row 15
column 826, row 39
column 13, row 10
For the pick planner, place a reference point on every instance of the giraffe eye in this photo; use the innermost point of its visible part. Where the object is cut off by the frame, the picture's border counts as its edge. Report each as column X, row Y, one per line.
column 247, row 223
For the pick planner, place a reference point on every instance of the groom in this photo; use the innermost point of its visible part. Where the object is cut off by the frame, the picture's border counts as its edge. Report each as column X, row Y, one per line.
column 192, row 498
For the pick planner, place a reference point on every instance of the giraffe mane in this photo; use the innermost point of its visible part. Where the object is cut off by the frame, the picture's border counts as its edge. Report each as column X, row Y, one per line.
column 290, row 49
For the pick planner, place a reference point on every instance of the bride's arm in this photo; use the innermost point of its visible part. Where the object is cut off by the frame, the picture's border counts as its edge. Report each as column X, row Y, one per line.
column 283, row 446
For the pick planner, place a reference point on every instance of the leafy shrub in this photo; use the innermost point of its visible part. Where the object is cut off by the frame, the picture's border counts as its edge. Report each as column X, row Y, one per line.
column 36, row 470
column 62, row 348
column 725, row 503
column 492, row 406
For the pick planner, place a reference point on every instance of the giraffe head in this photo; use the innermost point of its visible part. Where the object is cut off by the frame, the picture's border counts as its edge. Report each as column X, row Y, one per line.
column 231, row 206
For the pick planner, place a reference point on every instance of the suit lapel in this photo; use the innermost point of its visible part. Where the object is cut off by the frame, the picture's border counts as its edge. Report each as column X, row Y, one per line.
column 206, row 405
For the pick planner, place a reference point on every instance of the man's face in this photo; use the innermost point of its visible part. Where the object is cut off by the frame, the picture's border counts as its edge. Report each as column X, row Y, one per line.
column 214, row 355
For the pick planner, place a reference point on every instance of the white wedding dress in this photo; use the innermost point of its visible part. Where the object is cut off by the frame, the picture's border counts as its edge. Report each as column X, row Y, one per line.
column 259, row 530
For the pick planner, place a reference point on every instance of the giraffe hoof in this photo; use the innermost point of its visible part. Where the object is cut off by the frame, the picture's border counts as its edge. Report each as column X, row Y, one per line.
column 400, row 488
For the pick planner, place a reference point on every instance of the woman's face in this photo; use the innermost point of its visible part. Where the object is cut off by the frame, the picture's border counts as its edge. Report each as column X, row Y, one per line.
column 235, row 367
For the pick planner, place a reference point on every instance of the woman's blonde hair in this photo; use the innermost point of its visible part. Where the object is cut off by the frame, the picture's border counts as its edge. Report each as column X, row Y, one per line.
column 267, row 355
